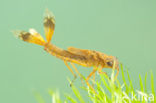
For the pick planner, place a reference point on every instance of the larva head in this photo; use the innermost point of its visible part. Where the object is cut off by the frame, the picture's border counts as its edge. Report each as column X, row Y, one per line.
column 111, row 62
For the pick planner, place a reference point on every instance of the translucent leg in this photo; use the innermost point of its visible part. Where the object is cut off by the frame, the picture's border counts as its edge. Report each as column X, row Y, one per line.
column 71, row 72
column 92, row 73
column 81, row 77
column 93, row 80
column 101, row 72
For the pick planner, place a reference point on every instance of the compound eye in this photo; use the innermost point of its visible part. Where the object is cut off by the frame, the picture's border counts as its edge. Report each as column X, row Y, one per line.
column 110, row 63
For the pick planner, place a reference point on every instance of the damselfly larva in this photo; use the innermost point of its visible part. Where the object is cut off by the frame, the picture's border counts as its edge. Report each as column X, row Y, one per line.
column 86, row 58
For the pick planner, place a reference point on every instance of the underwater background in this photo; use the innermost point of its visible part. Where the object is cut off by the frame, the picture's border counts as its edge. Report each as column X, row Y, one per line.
column 122, row 28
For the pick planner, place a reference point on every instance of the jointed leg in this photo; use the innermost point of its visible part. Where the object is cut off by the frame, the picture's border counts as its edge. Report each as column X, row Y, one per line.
column 93, row 79
column 101, row 72
column 78, row 72
column 71, row 72
column 92, row 73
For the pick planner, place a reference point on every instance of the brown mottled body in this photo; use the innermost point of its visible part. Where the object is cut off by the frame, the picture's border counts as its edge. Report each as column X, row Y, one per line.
column 86, row 58
column 65, row 55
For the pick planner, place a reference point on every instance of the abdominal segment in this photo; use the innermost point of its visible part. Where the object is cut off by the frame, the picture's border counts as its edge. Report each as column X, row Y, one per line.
column 67, row 56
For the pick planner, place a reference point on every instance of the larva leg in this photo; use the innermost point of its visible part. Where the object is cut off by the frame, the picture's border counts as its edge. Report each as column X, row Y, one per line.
column 93, row 79
column 92, row 73
column 78, row 72
column 101, row 72
column 71, row 72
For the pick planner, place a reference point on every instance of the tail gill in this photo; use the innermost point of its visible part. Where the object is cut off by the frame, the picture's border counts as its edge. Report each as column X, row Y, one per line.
column 32, row 37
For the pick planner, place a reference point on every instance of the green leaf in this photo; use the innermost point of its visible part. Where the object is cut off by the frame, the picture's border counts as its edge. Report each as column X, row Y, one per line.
column 104, row 78
column 130, row 81
column 124, row 80
column 72, row 100
column 141, row 84
column 152, row 83
column 38, row 97
column 77, row 94
column 146, row 82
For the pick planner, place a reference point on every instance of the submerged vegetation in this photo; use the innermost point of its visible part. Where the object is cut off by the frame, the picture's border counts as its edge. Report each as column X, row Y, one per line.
column 110, row 91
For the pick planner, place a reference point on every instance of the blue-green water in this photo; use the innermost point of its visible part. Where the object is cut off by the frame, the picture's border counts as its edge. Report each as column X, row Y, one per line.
column 123, row 28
